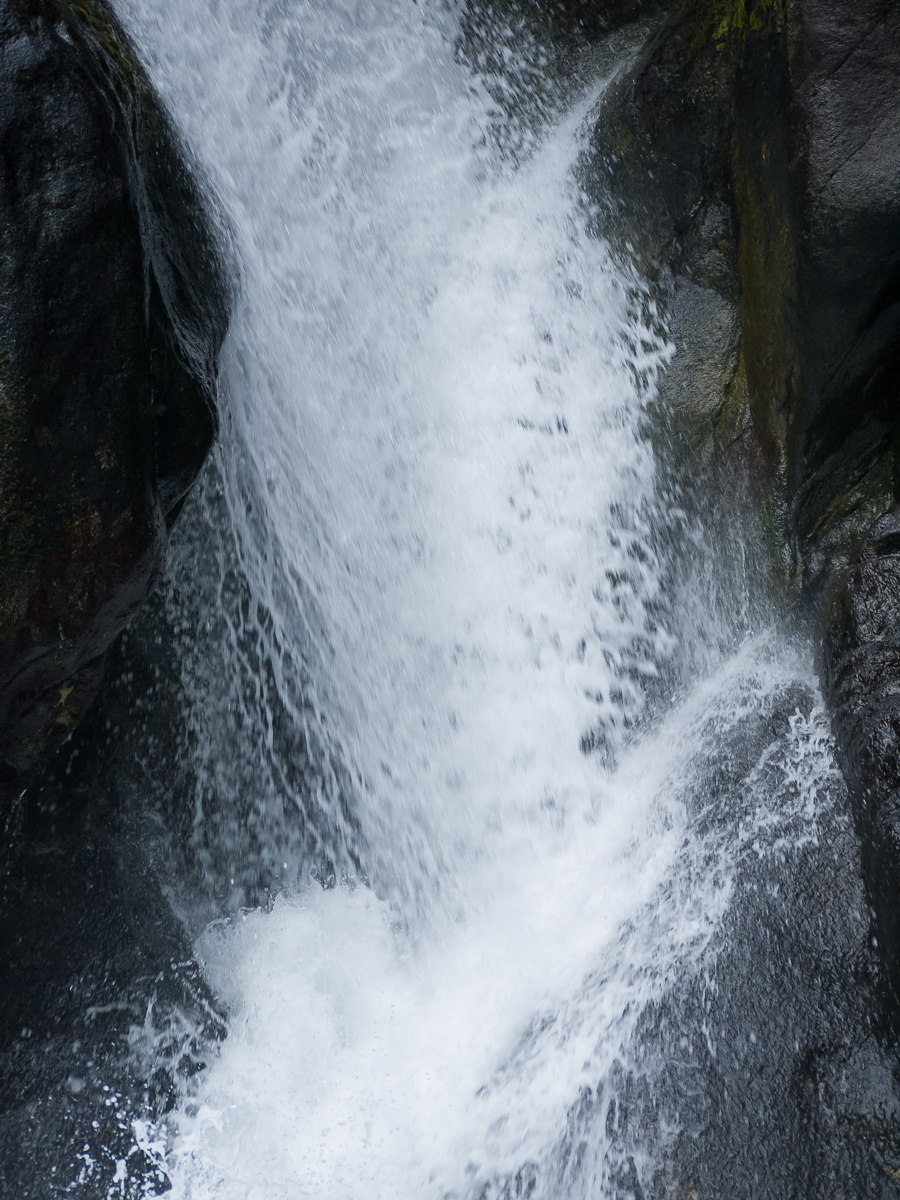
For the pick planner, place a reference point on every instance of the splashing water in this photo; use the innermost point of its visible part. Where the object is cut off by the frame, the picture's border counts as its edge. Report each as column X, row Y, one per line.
column 439, row 568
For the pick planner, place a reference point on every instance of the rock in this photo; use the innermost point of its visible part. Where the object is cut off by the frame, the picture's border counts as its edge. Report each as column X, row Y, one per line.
column 104, row 1014
column 658, row 174
column 785, row 118
column 113, row 306
column 816, row 180
column 749, row 157
column 588, row 19
column 861, row 671
column 762, row 1069
column 535, row 58
column 659, row 146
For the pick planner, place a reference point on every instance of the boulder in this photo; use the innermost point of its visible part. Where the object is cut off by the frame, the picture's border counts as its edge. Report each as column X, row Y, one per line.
column 113, row 307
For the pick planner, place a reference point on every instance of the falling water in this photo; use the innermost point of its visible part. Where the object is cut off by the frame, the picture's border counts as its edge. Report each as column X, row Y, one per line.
column 427, row 638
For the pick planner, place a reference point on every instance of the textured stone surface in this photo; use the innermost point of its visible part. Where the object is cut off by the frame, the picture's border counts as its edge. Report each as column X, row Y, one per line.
column 103, row 1012
column 861, row 670
column 785, row 117
column 112, row 311
column 584, row 18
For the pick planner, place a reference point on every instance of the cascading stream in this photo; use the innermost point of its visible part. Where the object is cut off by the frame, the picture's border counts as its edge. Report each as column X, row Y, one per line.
column 440, row 509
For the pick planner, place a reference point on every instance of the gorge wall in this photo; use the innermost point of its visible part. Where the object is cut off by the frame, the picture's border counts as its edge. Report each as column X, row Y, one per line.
column 746, row 157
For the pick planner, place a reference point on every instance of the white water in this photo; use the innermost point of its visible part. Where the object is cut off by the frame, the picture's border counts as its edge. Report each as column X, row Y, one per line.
column 436, row 382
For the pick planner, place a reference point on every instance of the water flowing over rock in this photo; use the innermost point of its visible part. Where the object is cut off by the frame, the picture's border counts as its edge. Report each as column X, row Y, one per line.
column 750, row 157
column 112, row 311
column 474, row 731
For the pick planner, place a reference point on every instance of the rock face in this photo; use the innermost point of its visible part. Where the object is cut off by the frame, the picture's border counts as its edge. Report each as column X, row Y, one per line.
column 104, row 1015
column 750, row 157
column 752, row 152
column 113, row 307
column 816, row 190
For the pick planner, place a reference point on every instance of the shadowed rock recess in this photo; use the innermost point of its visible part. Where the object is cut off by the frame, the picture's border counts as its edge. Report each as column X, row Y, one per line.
column 113, row 307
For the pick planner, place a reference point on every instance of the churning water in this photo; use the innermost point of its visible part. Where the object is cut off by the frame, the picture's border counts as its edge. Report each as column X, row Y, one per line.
column 425, row 617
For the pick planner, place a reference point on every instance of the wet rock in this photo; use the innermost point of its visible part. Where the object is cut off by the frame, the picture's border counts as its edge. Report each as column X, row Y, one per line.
column 763, row 1067
column 659, row 146
column 112, row 311
column 104, row 1015
column 752, row 151
column 861, row 671
column 658, row 174
column 766, row 1070
column 586, row 19
column 748, row 158
column 536, row 58
column 816, row 187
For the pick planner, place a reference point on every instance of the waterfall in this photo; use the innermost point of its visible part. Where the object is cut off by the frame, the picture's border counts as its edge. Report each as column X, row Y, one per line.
column 429, row 641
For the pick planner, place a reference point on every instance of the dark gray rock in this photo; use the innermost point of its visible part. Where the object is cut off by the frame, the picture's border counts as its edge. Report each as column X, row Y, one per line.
column 749, row 158
column 113, row 307
column 861, row 671
column 104, row 1015
column 786, row 118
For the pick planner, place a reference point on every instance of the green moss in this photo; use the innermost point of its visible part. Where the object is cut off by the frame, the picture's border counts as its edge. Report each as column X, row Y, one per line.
column 724, row 25
column 96, row 16
column 749, row 16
